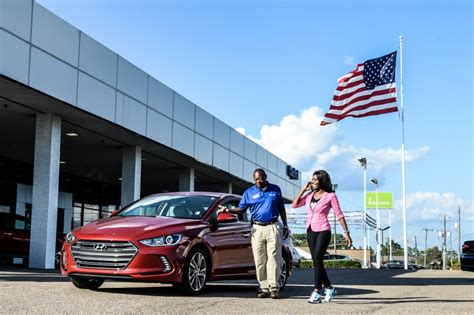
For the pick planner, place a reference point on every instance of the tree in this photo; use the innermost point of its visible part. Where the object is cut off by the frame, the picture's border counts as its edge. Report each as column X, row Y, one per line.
column 397, row 249
column 433, row 255
column 340, row 242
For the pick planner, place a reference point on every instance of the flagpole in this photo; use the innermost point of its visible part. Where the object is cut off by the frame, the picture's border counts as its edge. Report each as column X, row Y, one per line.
column 404, row 203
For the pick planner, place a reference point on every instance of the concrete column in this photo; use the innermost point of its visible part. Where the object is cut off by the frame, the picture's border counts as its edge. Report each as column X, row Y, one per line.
column 45, row 191
column 186, row 180
column 131, row 174
column 230, row 188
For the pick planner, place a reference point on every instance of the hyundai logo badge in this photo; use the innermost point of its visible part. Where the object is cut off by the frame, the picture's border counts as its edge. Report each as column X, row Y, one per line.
column 100, row 246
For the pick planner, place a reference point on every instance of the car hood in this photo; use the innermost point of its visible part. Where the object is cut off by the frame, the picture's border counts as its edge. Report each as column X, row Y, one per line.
column 118, row 227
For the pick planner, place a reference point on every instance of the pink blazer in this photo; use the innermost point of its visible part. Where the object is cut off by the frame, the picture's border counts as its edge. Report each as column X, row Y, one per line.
column 317, row 217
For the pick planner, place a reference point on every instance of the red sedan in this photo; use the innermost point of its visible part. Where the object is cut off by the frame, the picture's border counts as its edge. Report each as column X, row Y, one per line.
column 169, row 238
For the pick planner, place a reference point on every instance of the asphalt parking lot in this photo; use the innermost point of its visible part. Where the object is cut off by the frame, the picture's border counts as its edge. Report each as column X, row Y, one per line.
column 359, row 291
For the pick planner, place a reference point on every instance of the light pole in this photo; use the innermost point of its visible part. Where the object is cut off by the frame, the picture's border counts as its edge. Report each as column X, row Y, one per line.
column 381, row 231
column 376, row 183
column 363, row 163
column 390, row 232
column 334, row 187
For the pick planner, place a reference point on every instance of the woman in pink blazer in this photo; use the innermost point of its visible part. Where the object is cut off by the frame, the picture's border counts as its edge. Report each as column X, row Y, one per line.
column 319, row 198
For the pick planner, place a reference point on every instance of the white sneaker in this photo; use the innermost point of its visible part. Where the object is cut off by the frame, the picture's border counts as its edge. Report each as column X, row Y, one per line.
column 315, row 297
column 329, row 294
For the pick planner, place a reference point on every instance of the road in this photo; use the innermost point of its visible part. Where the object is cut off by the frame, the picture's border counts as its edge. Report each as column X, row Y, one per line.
column 359, row 291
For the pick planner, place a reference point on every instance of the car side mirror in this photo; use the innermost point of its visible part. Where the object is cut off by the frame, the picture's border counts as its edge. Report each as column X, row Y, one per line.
column 227, row 218
column 115, row 212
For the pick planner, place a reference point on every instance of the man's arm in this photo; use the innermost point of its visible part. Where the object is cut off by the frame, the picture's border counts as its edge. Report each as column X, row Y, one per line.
column 285, row 223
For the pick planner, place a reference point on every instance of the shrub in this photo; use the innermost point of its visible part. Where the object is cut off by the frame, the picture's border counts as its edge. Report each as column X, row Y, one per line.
column 353, row 264
column 456, row 265
column 306, row 263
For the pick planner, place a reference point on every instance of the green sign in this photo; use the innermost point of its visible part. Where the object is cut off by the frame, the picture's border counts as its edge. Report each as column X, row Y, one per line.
column 385, row 200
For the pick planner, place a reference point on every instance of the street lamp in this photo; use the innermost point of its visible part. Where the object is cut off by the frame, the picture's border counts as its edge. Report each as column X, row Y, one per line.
column 334, row 187
column 363, row 163
column 376, row 183
column 390, row 232
column 381, row 231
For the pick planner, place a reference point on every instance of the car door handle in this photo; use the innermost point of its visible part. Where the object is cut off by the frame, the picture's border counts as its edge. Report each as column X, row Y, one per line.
column 246, row 235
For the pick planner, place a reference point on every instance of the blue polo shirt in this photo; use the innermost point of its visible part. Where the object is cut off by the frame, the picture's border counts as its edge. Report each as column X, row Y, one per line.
column 264, row 205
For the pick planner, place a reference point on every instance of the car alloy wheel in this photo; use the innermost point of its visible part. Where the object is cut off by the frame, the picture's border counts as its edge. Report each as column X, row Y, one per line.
column 283, row 273
column 195, row 275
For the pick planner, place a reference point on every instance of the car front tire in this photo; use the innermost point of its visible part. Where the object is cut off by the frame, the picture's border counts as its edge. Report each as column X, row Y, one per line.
column 195, row 272
column 284, row 272
column 87, row 283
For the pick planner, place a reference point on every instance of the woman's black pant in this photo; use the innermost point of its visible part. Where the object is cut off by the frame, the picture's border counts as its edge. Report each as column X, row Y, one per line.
column 318, row 243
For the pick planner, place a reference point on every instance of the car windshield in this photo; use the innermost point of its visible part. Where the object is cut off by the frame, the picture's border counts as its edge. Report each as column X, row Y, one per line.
column 173, row 206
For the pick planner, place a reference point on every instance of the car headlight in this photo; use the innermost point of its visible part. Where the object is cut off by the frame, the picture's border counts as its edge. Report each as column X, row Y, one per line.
column 70, row 237
column 166, row 240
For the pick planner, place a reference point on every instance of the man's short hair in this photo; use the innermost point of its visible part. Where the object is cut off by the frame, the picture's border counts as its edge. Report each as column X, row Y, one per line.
column 261, row 171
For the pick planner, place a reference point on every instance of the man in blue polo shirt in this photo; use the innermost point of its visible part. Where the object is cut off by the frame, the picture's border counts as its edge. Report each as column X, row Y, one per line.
column 266, row 204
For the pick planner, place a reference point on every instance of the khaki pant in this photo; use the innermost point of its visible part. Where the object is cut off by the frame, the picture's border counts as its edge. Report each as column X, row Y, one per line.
column 266, row 248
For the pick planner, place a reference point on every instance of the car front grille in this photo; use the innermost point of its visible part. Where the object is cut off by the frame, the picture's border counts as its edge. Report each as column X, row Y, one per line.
column 103, row 254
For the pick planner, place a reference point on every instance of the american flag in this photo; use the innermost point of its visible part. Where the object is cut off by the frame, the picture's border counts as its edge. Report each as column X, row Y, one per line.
column 368, row 90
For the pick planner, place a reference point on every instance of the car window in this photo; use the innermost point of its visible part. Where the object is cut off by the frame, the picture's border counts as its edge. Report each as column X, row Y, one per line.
column 234, row 203
column 175, row 206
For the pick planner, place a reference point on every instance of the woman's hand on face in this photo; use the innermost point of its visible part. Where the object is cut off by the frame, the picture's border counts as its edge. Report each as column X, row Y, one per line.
column 307, row 186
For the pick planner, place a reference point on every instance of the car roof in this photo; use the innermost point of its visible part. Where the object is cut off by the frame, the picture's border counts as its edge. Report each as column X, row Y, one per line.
column 196, row 193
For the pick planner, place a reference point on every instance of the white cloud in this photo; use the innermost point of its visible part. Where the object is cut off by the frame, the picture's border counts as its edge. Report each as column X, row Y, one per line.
column 241, row 130
column 433, row 205
column 298, row 139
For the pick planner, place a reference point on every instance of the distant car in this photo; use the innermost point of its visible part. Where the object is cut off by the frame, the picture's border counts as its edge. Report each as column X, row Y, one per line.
column 467, row 256
column 15, row 238
column 399, row 264
column 296, row 257
column 336, row 257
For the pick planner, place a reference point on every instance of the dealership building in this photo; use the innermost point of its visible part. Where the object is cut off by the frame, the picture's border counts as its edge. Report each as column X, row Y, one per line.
column 83, row 131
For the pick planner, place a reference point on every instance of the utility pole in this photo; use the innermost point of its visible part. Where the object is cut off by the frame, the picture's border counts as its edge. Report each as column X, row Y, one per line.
column 445, row 218
column 416, row 251
column 426, row 243
column 450, row 249
column 459, row 235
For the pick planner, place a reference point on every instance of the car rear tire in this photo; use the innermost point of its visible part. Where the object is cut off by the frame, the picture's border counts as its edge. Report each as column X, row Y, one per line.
column 284, row 272
column 195, row 272
column 87, row 283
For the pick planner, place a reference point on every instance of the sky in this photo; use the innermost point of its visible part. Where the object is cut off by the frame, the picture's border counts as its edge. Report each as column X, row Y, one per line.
column 269, row 69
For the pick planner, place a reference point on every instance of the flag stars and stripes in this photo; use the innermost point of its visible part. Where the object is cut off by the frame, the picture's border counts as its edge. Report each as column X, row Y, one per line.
column 368, row 90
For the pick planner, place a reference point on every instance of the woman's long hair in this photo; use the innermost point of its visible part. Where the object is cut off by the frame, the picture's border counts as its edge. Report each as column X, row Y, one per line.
column 324, row 180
